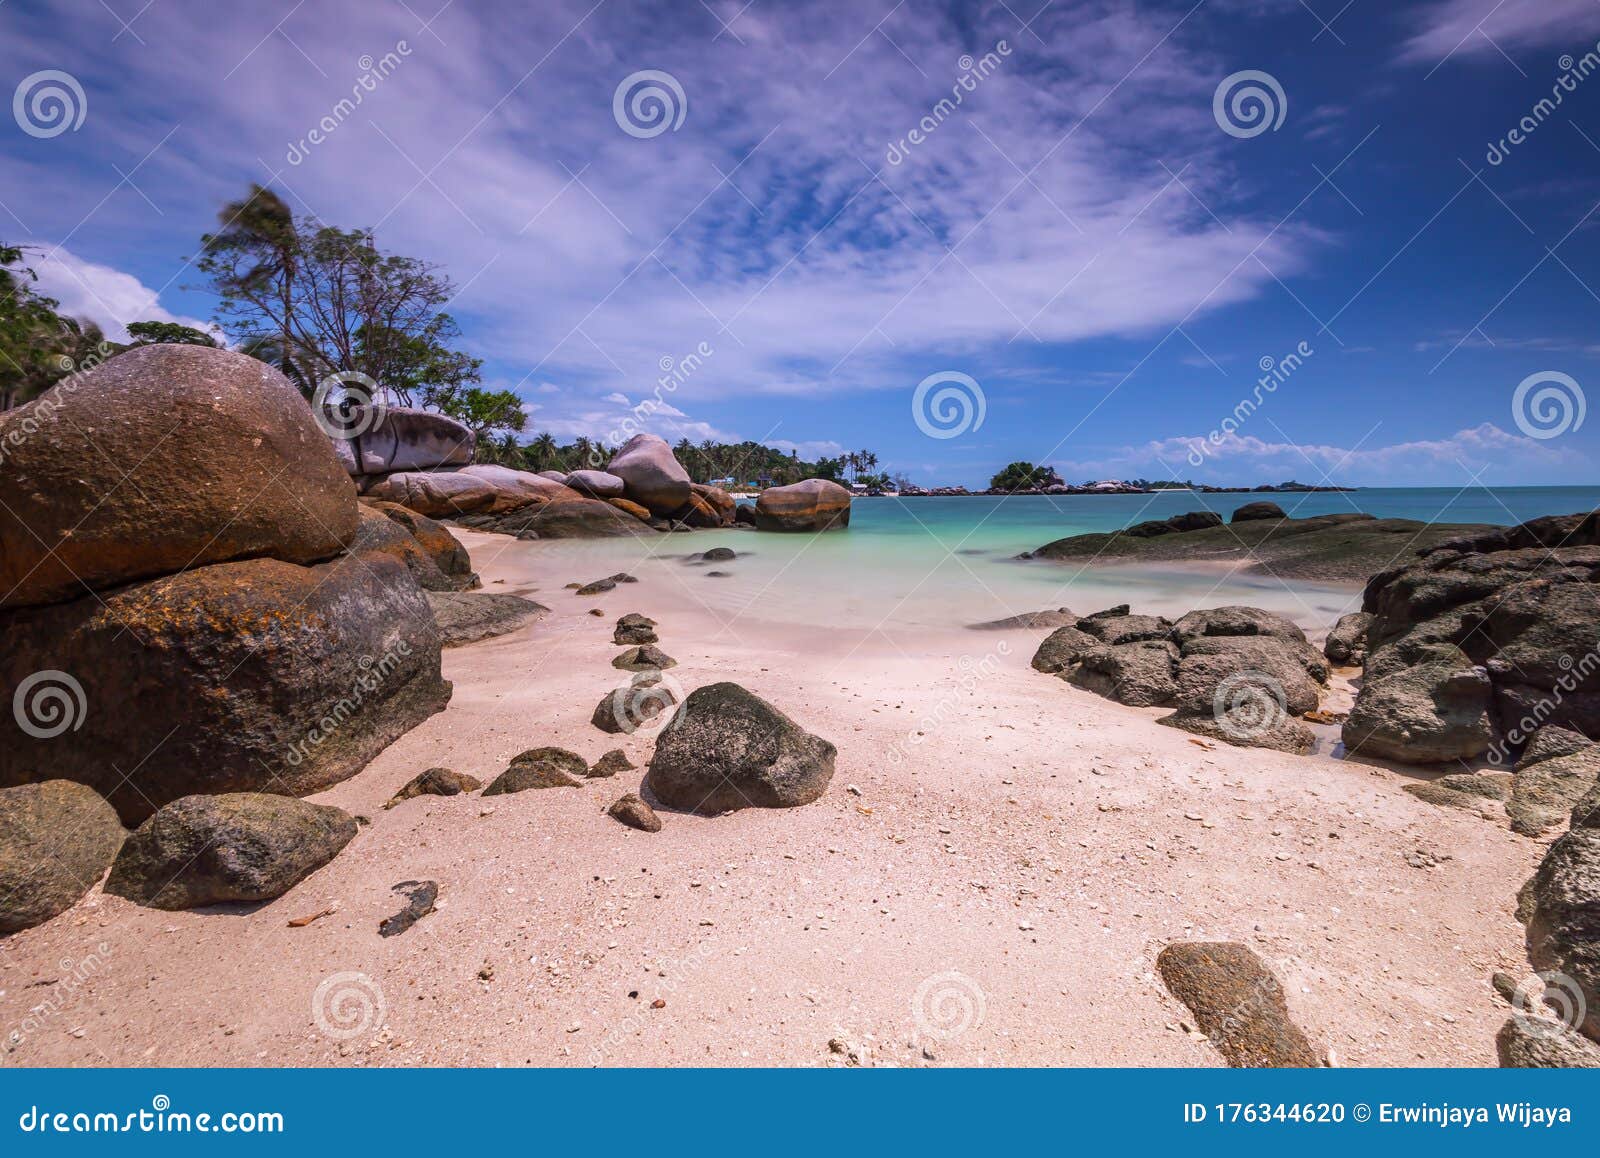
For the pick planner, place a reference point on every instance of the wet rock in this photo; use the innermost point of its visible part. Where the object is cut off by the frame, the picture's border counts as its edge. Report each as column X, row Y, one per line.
column 633, row 705
column 610, row 764
column 1427, row 714
column 1533, row 1043
column 718, row 555
column 465, row 617
column 1346, row 644
column 1236, row 1002
column 240, row 846
column 1063, row 648
column 633, row 629
column 812, row 505
column 435, row 782
column 1141, row 675
column 540, row 768
column 1252, row 512
column 645, row 657
column 1246, row 727
column 420, row 898
column 56, row 841
column 599, row 586
column 728, row 748
column 635, row 813
column 1544, row 793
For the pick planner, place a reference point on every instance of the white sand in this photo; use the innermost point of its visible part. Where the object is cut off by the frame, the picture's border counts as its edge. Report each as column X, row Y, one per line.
column 1032, row 839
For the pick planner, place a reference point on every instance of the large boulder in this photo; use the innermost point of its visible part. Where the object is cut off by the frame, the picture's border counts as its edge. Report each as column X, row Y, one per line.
column 378, row 533
column 1235, row 620
column 813, row 505
column 1237, row 1003
column 709, row 506
column 569, row 518
column 1254, row 512
column 1427, row 714
column 728, row 748
column 1544, row 792
column 240, row 846
column 1116, row 629
column 1141, row 675
column 477, row 489
column 1062, row 648
column 596, row 484
column 159, row 459
column 1561, row 908
column 402, row 438
column 1217, row 671
column 56, row 841
column 653, row 478
column 251, row 676
column 443, row 548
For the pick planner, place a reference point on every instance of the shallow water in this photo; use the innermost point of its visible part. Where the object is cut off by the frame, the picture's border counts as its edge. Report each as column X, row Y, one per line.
column 936, row 563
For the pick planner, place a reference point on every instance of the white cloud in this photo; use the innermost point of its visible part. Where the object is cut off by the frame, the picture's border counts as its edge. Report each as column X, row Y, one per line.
column 1461, row 28
column 1245, row 459
column 108, row 297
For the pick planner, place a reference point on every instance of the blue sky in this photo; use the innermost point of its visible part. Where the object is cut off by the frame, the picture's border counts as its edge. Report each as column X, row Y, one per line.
column 1081, row 236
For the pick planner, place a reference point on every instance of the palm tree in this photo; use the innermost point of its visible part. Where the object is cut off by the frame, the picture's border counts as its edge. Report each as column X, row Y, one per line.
column 542, row 451
column 263, row 223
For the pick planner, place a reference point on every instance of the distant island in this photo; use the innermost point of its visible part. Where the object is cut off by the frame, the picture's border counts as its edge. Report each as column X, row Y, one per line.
column 1024, row 478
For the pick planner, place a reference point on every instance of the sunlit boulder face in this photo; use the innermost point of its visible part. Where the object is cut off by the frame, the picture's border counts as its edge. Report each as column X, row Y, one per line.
column 402, row 438
column 159, row 459
column 653, row 478
column 812, row 505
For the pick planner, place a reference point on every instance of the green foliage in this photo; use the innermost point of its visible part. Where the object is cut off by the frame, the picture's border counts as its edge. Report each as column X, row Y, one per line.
column 168, row 333
column 38, row 346
column 747, row 463
column 1020, row 476
column 314, row 299
column 483, row 412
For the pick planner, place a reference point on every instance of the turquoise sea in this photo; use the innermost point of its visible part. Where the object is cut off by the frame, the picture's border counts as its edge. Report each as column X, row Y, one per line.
column 933, row 563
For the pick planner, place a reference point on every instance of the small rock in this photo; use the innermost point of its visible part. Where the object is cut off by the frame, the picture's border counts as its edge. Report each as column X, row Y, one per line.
column 635, row 813
column 420, row 896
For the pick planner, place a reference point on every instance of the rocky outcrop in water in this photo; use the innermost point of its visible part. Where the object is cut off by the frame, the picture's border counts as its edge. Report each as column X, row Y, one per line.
column 813, row 505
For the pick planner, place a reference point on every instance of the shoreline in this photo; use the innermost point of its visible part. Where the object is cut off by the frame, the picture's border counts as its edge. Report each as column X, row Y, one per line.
column 1034, row 840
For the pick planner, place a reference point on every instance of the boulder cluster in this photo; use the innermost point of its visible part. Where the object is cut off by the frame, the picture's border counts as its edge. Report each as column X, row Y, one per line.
column 422, row 461
column 1237, row 674
column 192, row 598
column 1483, row 652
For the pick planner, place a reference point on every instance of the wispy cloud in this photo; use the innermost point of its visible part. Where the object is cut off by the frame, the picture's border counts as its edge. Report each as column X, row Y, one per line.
column 1469, row 28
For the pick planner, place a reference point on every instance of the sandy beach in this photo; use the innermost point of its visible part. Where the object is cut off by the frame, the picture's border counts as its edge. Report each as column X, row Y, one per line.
column 987, row 881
